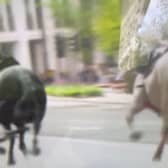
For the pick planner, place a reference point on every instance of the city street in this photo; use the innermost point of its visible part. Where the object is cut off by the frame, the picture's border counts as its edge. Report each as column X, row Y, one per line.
column 91, row 132
column 98, row 119
column 74, row 48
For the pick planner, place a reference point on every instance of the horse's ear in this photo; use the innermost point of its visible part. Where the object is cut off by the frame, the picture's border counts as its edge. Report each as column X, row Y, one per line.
column 12, row 61
column 7, row 61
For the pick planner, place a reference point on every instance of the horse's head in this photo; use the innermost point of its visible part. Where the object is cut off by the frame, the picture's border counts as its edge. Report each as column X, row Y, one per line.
column 7, row 61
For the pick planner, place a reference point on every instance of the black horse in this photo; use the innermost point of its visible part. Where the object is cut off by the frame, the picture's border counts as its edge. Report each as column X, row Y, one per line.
column 22, row 101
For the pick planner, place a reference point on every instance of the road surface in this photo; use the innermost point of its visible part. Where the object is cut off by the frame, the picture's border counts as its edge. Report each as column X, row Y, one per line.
column 92, row 133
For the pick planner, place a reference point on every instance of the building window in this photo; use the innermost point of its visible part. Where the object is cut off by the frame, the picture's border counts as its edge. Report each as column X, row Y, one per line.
column 39, row 15
column 37, row 56
column 6, row 17
column 10, row 16
column 28, row 15
column 32, row 14
column 6, row 49
column 1, row 21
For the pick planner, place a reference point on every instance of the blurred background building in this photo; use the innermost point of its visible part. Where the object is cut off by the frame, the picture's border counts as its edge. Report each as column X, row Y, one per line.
column 23, row 28
column 48, row 43
column 21, row 34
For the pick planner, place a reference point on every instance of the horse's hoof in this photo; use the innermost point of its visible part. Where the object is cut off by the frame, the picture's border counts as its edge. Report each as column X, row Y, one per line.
column 11, row 162
column 24, row 150
column 36, row 151
column 135, row 136
column 156, row 158
column 2, row 150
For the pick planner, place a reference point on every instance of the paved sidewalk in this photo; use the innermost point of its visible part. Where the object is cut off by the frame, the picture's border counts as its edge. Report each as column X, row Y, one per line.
column 70, row 153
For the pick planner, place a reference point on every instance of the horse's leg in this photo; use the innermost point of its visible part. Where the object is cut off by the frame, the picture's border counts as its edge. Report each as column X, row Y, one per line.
column 11, row 160
column 36, row 149
column 159, row 151
column 22, row 144
column 21, row 130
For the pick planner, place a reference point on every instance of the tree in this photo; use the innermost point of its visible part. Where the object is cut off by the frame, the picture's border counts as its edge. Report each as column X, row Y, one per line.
column 4, row 1
column 65, row 13
column 94, row 20
column 85, row 29
column 106, row 25
column 78, row 17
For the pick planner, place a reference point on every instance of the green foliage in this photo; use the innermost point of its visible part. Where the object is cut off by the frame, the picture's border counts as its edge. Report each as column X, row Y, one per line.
column 107, row 25
column 94, row 20
column 79, row 17
column 66, row 13
column 4, row 1
column 86, row 16
column 73, row 91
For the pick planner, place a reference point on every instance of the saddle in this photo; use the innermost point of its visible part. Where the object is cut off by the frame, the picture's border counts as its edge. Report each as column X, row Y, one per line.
column 154, row 56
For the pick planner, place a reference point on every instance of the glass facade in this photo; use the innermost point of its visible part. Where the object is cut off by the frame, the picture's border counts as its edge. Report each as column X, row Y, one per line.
column 6, row 17
column 32, row 14
column 36, row 52
column 6, row 49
